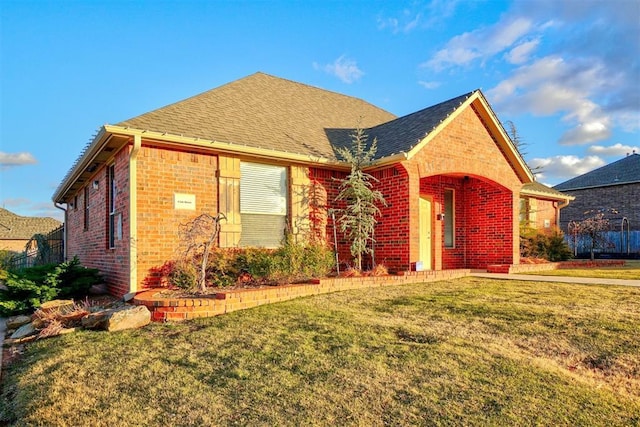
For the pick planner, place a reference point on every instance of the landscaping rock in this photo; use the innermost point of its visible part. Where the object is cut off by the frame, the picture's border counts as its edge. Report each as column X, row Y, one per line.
column 17, row 321
column 100, row 289
column 61, row 305
column 117, row 319
column 23, row 331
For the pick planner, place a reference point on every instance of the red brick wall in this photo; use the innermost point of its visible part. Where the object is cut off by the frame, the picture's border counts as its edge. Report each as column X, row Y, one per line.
column 489, row 231
column 161, row 173
column 392, row 233
column 91, row 246
column 485, row 204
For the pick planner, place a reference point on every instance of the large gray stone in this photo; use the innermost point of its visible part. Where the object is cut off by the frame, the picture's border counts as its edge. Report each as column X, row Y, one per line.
column 23, row 331
column 118, row 319
column 17, row 321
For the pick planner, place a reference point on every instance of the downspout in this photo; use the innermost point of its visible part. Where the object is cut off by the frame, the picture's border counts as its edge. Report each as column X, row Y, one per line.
column 133, row 218
column 561, row 205
column 64, row 231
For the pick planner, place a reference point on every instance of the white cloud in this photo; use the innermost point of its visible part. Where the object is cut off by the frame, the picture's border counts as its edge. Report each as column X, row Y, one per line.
column 16, row 159
column 429, row 85
column 344, row 68
column 522, row 51
column 482, row 43
column 418, row 16
column 589, row 69
column 550, row 86
column 565, row 167
column 613, row 150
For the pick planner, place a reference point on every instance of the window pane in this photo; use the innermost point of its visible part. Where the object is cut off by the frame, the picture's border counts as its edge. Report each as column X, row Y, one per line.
column 263, row 204
column 263, row 189
column 449, row 215
column 265, row 231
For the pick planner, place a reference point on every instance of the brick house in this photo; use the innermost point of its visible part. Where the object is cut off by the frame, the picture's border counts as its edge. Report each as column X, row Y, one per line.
column 613, row 187
column 540, row 206
column 260, row 150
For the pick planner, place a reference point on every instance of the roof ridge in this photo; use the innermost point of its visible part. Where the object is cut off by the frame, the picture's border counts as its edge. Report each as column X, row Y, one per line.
column 244, row 79
column 593, row 178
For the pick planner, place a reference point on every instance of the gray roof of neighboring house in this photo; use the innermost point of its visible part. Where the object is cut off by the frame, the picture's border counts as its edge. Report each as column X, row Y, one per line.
column 16, row 227
column 623, row 171
column 538, row 189
column 264, row 111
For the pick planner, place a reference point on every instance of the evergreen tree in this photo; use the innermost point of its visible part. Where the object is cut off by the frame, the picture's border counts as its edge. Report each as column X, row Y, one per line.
column 357, row 220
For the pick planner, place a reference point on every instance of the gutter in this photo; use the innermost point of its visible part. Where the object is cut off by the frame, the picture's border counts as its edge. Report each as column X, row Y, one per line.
column 133, row 218
column 562, row 205
column 223, row 147
column 92, row 150
column 389, row 160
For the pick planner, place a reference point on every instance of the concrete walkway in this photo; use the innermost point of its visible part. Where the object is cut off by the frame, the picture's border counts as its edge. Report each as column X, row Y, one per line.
column 559, row 279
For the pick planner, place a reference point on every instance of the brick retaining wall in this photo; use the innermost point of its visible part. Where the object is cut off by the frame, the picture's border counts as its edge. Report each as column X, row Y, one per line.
column 527, row 268
column 166, row 308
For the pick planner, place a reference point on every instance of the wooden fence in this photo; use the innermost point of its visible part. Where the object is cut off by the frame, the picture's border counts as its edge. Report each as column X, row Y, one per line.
column 41, row 250
column 622, row 244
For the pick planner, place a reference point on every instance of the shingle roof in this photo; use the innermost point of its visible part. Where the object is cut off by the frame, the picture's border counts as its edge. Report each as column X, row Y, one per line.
column 623, row 171
column 16, row 227
column 265, row 112
column 538, row 189
column 403, row 133
column 270, row 112
column 284, row 118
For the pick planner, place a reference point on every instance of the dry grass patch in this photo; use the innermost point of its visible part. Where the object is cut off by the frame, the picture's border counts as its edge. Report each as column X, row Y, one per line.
column 463, row 352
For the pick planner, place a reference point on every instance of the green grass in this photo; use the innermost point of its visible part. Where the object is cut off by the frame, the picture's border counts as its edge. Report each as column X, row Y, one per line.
column 630, row 271
column 464, row 352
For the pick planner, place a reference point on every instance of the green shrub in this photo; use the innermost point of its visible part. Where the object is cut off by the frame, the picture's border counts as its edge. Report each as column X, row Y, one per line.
column 292, row 262
column 27, row 289
column 184, row 275
column 549, row 245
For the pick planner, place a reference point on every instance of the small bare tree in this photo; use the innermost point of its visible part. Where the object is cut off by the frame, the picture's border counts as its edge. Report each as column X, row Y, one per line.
column 594, row 227
column 197, row 238
column 357, row 219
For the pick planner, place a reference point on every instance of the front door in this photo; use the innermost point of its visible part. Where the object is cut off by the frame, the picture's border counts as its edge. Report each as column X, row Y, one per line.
column 425, row 233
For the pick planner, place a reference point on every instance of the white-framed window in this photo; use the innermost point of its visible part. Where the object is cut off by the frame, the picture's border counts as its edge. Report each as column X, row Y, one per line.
column 86, row 207
column 263, row 204
column 111, row 204
column 449, row 219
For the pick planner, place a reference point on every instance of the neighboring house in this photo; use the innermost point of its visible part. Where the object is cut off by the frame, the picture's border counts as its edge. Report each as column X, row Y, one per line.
column 260, row 151
column 614, row 190
column 540, row 206
column 16, row 231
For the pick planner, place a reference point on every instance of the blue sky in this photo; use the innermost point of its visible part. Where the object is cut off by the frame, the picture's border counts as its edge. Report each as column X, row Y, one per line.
column 566, row 72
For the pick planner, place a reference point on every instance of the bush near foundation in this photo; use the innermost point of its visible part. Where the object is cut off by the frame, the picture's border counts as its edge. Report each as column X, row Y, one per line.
column 292, row 262
column 548, row 245
column 26, row 289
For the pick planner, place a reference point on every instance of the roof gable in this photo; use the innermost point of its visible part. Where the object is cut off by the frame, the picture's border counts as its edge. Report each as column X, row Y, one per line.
column 401, row 135
column 623, row 171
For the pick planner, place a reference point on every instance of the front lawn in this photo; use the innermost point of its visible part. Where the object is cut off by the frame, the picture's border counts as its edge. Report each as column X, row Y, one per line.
column 462, row 352
column 630, row 271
